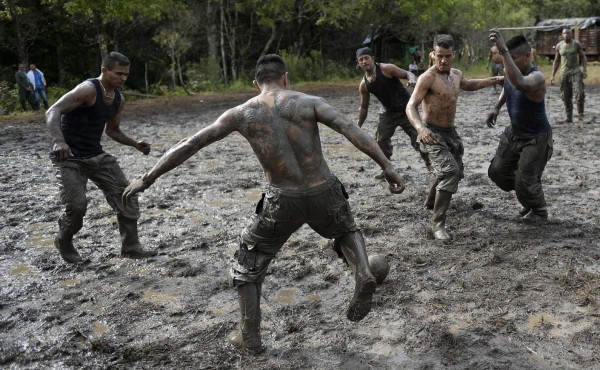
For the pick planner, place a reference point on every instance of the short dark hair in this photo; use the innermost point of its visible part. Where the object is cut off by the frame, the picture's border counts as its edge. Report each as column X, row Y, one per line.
column 443, row 41
column 114, row 58
column 269, row 68
column 518, row 42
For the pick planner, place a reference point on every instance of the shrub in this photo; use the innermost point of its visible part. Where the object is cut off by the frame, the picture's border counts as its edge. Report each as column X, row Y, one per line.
column 8, row 97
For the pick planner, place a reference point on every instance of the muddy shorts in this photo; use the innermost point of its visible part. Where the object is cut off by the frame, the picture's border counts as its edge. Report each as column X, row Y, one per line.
column 388, row 122
column 518, row 165
column 279, row 213
column 104, row 171
column 446, row 157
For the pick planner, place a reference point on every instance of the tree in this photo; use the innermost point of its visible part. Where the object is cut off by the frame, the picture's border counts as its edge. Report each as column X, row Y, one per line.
column 174, row 37
column 112, row 19
column 21, row 25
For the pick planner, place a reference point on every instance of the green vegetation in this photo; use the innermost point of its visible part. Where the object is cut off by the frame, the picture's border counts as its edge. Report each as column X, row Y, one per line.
column 190, row 46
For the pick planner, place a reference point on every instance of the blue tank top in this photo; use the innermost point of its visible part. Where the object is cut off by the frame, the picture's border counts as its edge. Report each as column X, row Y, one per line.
column 389, row 91
column 84, row 126
column 527, row 118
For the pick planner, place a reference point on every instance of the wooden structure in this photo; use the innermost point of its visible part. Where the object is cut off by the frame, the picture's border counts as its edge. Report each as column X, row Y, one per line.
column 585, row 30
column 387, row 46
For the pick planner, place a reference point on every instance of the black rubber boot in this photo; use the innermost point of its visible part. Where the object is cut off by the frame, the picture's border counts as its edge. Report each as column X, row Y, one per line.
column 130, row 243
column 352, row 246
column 442, row 203
column 580, row 110
column 537, row 214
column 67, row 250
column 248, row 335
column 569, row 112
column 524, row 211
column 68, row 226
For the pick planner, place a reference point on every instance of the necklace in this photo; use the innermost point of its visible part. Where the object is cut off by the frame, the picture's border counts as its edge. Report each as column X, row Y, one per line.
column 104, row 91
column 371, row 78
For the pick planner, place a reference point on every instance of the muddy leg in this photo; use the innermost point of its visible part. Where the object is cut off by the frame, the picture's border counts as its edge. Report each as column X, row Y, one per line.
column 248, row 335
column 130, row 243
column 425, row 157
column 352, row 246
column 442, row 203
column 69, row 224
column 430, row 201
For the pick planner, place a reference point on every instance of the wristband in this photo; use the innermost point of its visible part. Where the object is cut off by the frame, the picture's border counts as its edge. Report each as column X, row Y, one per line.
column 503, row 51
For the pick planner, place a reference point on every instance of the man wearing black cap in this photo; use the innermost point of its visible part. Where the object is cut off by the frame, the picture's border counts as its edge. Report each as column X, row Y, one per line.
column 383, row 81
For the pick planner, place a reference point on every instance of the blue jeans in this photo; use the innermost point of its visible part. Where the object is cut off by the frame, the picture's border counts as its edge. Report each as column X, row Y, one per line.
column 42, row 92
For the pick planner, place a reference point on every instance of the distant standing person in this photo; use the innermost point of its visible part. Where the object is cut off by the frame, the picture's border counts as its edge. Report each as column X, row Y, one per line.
column 526, row 144
column 76, row 123
column 413, row 68
column 25, row 89
column 281, row 126
column 383, row 81
column 569, row 55
column 438, row 89
column 431, row 59
column 534, row 57
column 495, row 59
column 36, row 77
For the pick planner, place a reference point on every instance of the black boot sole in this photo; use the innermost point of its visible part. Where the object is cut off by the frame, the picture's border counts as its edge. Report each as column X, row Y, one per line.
column 361, row 303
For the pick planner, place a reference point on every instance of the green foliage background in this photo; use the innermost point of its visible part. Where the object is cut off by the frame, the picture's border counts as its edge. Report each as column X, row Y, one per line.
column 182, row 46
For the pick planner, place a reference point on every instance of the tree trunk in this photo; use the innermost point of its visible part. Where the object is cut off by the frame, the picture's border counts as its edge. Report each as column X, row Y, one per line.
column 146, row 76
column 173, row 78
column 274, row 33
column 103, row 45
column 181, row 77
column 19, row 35
column 211, row 30
column 223, row 52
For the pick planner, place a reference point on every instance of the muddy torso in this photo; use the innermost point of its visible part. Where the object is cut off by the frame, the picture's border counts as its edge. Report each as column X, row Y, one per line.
column 439, row 105
column 282, row 129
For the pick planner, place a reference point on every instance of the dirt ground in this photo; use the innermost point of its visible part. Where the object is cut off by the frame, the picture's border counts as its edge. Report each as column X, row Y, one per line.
column 504, row 294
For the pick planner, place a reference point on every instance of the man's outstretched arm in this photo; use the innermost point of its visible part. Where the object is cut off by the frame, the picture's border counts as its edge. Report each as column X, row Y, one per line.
column 330, row 117
column 181, row 152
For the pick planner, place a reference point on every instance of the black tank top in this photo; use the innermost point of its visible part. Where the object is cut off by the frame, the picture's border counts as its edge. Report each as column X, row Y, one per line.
column 83, row 127
column 528, row 118
column 389, row 91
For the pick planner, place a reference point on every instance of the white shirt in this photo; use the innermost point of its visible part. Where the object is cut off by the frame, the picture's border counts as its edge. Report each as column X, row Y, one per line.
column 31, row 77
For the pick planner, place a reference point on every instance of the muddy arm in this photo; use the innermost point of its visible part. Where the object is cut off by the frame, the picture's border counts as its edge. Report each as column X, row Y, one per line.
column 113, row 130
column 181, row 152
column 364, row 103
column 83, row 95
column 327, row 115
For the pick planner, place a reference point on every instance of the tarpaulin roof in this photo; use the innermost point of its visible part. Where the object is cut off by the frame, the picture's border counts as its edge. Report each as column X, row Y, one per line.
column 382, row 33
column 558, row 24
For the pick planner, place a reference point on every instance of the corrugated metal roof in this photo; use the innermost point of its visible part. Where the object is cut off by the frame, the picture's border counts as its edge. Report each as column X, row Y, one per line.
column 550, row 25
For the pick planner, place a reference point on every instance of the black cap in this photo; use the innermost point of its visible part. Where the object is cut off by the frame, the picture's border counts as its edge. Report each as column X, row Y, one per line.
column 364, row 51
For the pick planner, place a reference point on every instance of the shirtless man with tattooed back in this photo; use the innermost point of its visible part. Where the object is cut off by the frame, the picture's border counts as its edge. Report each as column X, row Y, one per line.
column 281, row 126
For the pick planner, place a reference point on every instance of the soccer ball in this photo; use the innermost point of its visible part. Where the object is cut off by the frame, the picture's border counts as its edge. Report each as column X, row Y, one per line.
column 379, row 267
